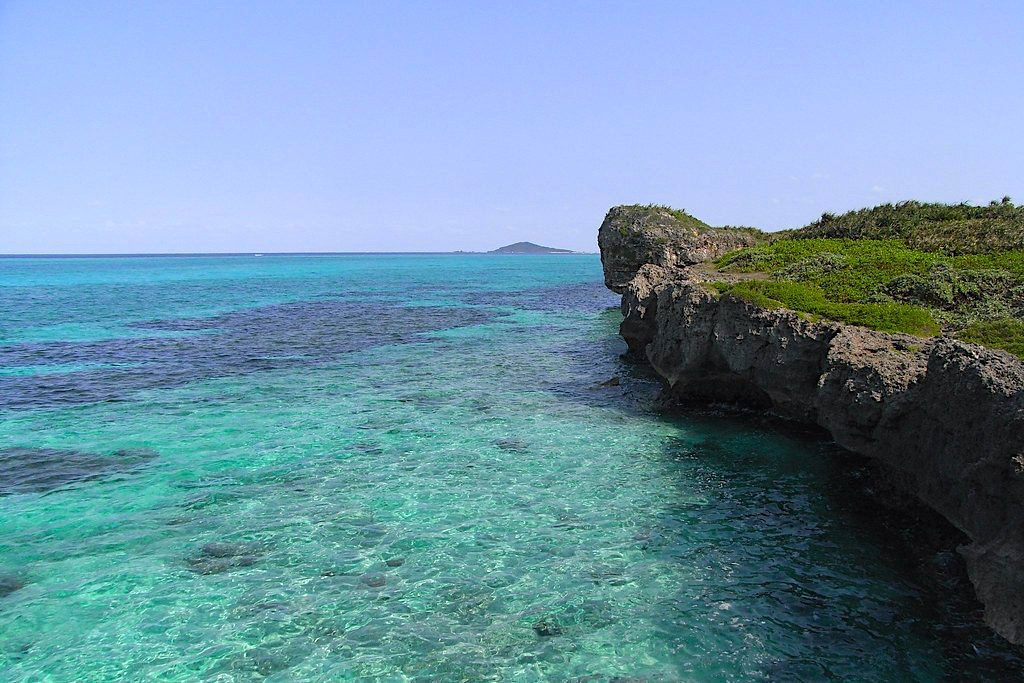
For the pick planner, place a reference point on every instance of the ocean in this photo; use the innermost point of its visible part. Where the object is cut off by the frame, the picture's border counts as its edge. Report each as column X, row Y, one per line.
column 409, row 467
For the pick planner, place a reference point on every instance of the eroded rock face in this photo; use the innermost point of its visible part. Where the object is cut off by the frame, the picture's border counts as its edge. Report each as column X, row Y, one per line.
column 945, row 418
column 639, row 308
column 632, row 236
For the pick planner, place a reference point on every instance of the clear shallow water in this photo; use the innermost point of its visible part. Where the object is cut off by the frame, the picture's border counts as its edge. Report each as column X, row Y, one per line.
column 206, row 465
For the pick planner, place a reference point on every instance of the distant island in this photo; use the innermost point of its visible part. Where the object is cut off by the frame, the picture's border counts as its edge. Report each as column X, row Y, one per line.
column 528, row 248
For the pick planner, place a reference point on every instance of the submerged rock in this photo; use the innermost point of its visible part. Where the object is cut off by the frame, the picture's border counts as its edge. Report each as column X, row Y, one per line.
column 548, row 627
column 39, row 470
column 218, row 565
column 395, row 561
column 228, row 549
column 9, row 584
column 613, row 576
column 512, row 445
column 373, row 579
column 259, row 661
column 465, row 599
column 223, row 556
column 273, row 606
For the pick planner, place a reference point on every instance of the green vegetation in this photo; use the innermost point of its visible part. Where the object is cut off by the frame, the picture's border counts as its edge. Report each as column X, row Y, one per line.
column 948, row 228
column 679, row 214
column 1006, row 334
column 810, row 299
column 910, row 267
column 758, row 234
column 692, row 222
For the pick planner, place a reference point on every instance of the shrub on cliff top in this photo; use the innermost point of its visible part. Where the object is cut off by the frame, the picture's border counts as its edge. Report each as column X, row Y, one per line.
column 900, row 267
column 853, row 277
column 813, row 266
column 1006, row 334
column 850, row 270
column 679, row 214
column 689, row 221
column 971, row 293
column 947, row 228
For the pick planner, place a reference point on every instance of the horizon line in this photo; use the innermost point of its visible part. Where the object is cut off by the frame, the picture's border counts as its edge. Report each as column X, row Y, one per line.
column 252, row 254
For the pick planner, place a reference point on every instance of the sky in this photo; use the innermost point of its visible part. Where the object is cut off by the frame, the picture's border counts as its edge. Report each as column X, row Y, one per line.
column 134, row 127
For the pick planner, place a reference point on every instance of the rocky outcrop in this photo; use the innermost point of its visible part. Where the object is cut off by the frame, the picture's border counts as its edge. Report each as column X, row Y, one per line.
column 944, row 418
column 631, row 236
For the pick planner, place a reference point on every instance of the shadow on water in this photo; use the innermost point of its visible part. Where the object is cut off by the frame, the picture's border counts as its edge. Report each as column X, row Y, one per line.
column 810, row 542
column 806, row 532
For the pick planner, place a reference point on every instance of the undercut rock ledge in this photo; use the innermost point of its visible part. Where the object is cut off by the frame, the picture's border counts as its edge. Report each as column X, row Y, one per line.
column 944, row 418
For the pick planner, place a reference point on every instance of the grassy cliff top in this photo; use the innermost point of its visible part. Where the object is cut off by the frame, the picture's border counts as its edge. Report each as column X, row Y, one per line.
column 679, row 214
column 684, row 219
column 948, row 228
column 909, row 267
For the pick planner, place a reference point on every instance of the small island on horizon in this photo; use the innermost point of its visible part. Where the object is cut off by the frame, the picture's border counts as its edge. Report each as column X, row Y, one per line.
column 528, row 248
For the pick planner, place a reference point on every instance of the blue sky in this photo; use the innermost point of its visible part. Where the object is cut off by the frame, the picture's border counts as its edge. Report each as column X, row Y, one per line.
column 259, row 126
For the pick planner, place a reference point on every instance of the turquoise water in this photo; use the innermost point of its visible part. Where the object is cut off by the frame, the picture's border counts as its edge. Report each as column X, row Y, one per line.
column 404, row 468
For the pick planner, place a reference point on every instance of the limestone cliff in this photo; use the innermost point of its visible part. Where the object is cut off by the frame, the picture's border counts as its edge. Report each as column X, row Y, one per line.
column 945, row 418
column 634, row 235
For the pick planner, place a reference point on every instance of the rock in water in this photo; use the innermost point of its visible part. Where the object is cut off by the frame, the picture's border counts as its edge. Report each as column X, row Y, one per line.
column 224, row 549
column 548, row 627
column 39, row 470
column 9, row 584
column 213, row 565
column 512, row 445
column 373, row 579
column 223, row 556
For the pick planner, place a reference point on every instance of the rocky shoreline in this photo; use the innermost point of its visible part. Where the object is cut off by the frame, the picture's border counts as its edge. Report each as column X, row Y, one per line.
column 943, row 418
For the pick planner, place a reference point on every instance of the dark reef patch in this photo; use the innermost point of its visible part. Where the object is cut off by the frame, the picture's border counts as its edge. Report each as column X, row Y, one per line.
column 548, row 627
column 38, row 470
column 578, row 297
column 223, row 556
column 374, row 580
column 274, row 337
column 9, row 583
column 512, row 445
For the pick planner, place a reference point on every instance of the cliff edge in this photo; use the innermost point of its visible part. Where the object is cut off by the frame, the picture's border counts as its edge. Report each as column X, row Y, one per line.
column 631, row 236
column 945, row 418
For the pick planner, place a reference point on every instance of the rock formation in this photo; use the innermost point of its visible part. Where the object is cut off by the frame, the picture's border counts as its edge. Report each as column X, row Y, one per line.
column 944, row 418
column 634, row 235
